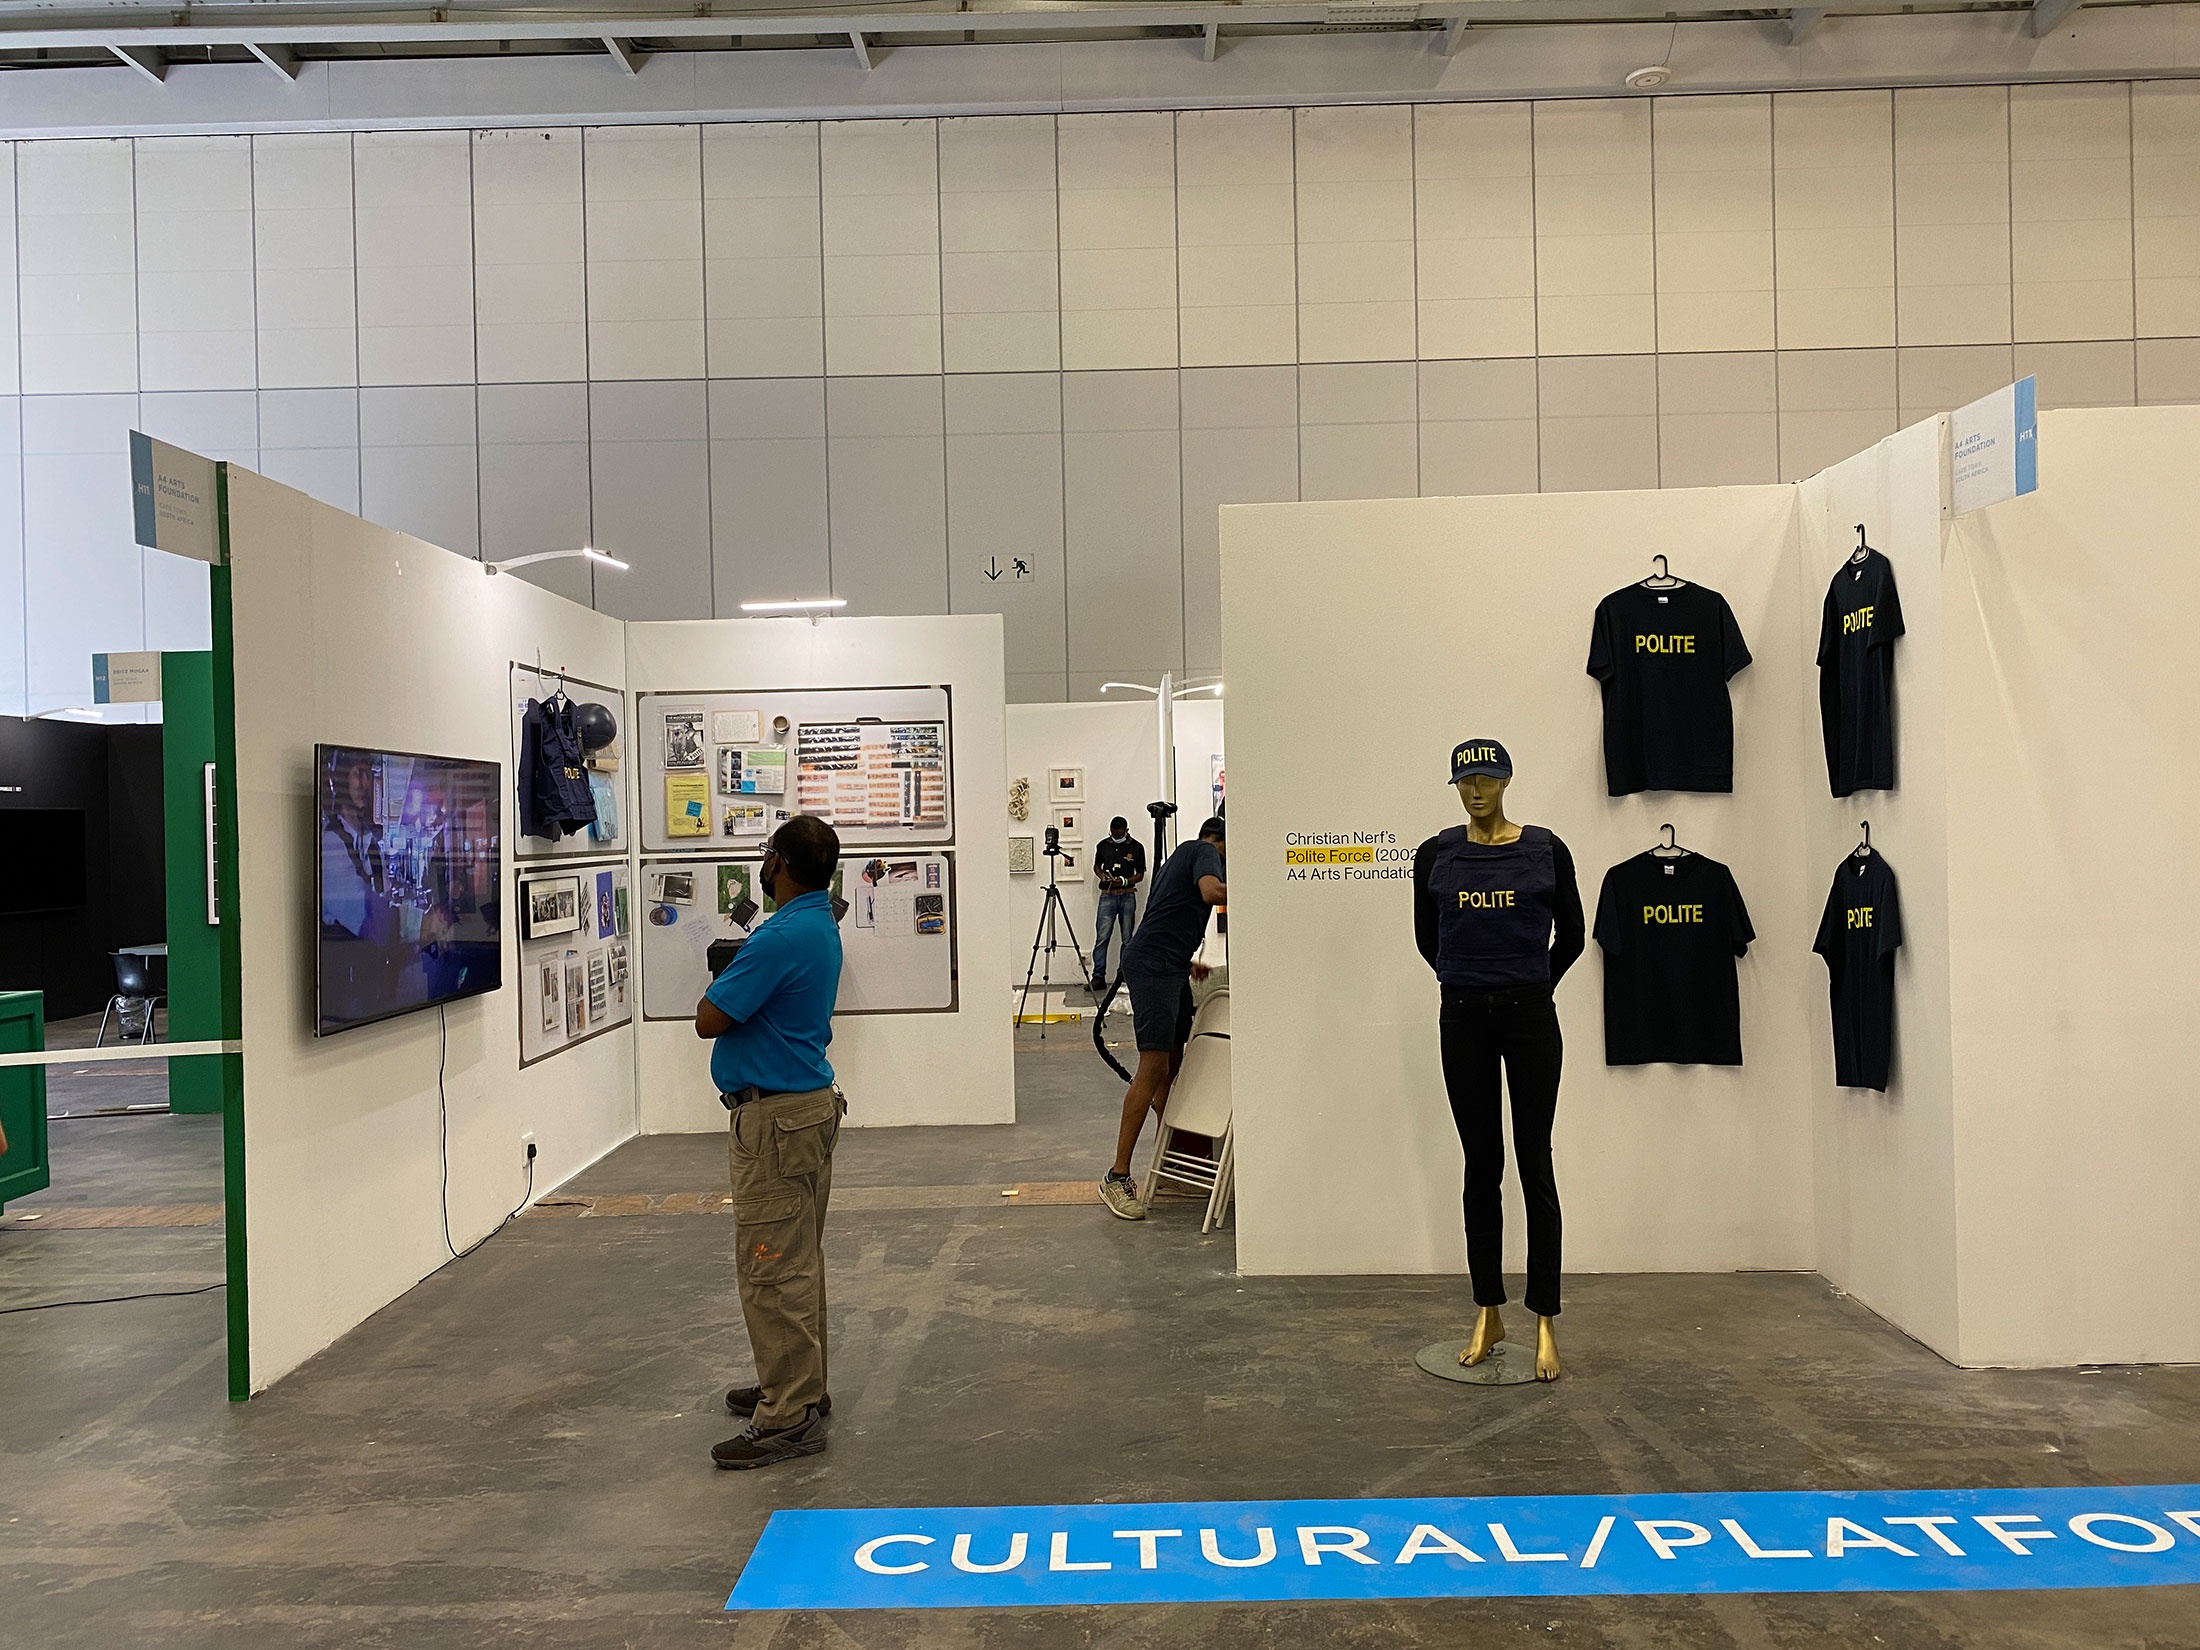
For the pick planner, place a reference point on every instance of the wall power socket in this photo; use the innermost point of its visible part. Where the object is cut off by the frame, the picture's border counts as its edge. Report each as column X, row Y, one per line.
column 527, row 1145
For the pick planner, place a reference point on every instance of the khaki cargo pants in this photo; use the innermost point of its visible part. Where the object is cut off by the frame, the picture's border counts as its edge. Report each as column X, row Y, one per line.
column 781, row 1152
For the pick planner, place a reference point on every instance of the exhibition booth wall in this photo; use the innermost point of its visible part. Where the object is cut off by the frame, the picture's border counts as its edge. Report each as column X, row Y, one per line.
column 1115, row 747
column 2075, row 898
column 347, row 633
column 368, row 1158
column 899, row 1065
column 1884, row 1165
column 1363, row 640
column 2012, row 1197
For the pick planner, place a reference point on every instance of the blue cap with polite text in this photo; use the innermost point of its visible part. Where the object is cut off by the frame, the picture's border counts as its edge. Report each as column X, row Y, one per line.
column 1480, row 756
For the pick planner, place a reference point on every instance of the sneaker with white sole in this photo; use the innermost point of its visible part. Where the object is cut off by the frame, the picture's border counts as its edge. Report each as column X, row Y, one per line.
column 1120, row 1194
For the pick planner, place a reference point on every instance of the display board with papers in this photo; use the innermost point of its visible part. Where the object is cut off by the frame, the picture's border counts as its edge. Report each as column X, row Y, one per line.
column 718, row 768
column 576, row 955
column 897, row 936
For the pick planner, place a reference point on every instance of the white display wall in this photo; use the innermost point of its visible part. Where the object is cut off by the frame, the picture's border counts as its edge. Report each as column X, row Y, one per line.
column 2017, row 1195
column 2025, row 1197
column 349, row 633
column 1115, row 744
column 1439, row 619
column 952, row 1065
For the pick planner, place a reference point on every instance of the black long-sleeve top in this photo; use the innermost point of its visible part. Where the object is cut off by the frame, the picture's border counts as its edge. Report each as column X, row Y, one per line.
column 1492, row 917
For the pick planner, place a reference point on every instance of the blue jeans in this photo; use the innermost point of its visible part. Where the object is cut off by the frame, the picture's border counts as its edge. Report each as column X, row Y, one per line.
column 1116, row 911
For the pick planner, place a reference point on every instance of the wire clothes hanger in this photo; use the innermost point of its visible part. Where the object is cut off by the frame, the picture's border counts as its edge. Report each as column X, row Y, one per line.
column 1670, row 848
column 1663, row 578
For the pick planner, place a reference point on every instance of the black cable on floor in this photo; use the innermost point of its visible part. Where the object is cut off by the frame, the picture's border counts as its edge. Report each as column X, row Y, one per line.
column 111, row 1300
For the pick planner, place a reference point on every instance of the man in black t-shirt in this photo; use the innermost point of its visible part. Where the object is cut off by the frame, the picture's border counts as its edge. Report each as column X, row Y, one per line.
column 1858, row 936
column 1670, row 929
column 1663, row 655
column 1158, row 968
column 1120, row 864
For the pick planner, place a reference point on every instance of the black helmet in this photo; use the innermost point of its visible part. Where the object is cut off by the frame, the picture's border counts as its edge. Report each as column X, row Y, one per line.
column 595, row 726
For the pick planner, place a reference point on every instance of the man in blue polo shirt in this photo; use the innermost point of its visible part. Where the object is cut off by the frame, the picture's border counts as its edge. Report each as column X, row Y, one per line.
column 770, row 1015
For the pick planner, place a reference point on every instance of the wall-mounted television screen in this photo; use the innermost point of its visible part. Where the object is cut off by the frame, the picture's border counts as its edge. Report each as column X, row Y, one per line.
column 46, row 847
column 407, row 884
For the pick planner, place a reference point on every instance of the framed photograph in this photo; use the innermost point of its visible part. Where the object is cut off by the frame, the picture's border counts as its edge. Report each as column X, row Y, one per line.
column 550, row 906
column 1070, row 821
column 685, row 747
column 576, row 995
column 553, row 995
column 1071, row 866
column 1065, row 784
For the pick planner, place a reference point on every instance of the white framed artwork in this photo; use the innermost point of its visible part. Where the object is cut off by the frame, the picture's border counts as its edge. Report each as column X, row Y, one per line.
column 1065, row 785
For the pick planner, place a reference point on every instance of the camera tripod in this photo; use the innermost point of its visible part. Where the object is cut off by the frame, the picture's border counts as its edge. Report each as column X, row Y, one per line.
column 1051, row 911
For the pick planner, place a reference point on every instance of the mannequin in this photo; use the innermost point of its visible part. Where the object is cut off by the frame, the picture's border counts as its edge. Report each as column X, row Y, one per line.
column 1497, row 915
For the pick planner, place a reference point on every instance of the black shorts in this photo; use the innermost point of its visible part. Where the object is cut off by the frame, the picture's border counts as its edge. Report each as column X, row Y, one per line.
column 1161, row 1009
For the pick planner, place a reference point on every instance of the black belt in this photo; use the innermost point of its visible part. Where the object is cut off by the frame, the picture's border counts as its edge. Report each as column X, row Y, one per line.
column 741, row 1097
column 1456, row 993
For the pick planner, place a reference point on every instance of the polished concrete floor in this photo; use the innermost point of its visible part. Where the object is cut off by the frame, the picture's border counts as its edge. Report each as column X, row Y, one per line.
column 515, row 1453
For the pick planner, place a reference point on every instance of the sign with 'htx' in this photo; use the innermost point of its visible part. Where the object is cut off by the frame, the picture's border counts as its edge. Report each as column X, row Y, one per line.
column 1236, row 1552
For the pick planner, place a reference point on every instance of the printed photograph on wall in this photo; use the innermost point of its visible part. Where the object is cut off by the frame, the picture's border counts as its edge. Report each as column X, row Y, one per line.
column 684, row 746
column 551, row 905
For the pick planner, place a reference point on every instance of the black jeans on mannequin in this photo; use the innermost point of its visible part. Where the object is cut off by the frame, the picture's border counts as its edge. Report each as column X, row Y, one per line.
column 1520, row 1028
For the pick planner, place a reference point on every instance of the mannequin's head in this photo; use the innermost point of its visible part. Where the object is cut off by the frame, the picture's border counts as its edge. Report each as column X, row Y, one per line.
column 1483, row 795
column 1481, row 769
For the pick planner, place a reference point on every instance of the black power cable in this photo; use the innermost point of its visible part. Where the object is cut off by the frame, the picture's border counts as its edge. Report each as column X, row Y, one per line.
column 443, row 1145
column 1099, row 1025
column 112, row 1300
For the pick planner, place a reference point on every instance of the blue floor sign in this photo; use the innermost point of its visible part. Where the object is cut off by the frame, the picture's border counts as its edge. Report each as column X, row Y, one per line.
column 1235, row 1552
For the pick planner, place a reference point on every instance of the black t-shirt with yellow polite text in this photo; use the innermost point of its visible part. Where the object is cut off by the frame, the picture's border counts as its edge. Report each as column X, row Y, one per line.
column 1664, row 657
column 1858, row 936
column 1856, row 637
column 1670, row 930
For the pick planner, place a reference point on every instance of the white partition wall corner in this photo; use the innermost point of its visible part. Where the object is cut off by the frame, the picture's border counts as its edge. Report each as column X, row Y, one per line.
column 952, row 1065
column 348, row 633
column 372, row 1155
column 2014, row 1196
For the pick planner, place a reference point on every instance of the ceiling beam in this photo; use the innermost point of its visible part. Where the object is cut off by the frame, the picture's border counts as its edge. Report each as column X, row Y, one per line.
column 997, row 19
column 2047, row 16
column 1210, row 41
column 147, row 60
column 1455, row 36
column 623, row 53
column 1803, row 22
column 862, row 50
column 281, row 59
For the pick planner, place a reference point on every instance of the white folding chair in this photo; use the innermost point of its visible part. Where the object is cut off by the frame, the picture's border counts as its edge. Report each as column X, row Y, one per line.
column 1199, row 1103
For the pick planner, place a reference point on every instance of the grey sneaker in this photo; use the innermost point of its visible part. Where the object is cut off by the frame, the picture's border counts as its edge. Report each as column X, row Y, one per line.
column 1120, row 1194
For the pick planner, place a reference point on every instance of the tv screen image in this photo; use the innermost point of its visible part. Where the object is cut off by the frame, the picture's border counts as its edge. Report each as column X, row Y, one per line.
column 407, row 883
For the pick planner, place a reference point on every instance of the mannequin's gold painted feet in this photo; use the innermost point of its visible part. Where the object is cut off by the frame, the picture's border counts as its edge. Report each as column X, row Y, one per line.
column 1489, row 1329
column 1546, row 1349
